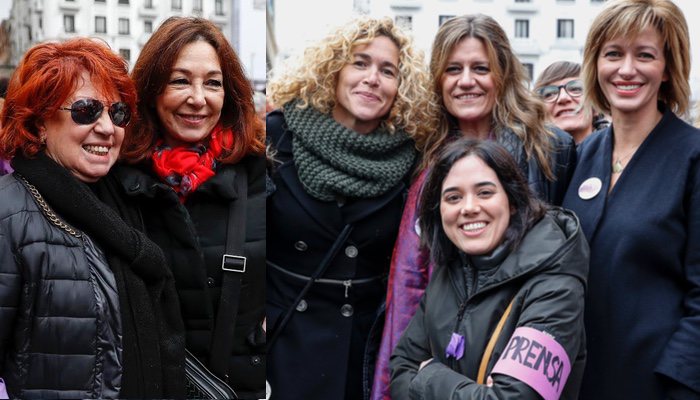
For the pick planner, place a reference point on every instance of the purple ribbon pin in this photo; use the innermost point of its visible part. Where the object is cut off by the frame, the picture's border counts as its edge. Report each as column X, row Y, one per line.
column 3, row 391
column 456, row 346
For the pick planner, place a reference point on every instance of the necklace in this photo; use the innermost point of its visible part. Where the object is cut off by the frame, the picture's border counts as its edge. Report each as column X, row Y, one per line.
column 617, row 166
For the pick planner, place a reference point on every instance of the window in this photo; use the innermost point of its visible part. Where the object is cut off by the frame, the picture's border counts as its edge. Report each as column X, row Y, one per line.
column 99, row 1
column 125, row 54
column 148, row 3
column 148, row 26
column 522, row 28
column 123, row 1
column 219, row 7
column 443, row 18
column 176, row 4
column 123, row 26
column 69, row 23
column 522, row 1
column 565, row 28
column 100, row 24
column 528, row 70
column 197, row 5
column 405, row 22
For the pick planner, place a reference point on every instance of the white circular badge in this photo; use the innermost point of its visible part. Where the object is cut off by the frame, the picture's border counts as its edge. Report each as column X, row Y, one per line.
column 590, row 188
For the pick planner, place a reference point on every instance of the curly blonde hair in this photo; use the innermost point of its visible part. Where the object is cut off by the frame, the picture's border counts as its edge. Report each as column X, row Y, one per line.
column 313, row 78
column 515, row 109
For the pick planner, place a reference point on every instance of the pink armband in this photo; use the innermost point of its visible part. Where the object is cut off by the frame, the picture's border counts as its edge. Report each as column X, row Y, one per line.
column 535, row 358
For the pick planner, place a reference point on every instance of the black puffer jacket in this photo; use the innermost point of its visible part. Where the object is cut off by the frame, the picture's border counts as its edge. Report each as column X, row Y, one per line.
column 60, row 330
column 193, row 238
column 545, row 277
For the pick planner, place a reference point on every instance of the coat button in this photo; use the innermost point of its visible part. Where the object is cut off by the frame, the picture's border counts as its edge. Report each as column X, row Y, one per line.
column 210, row 282
column 255, row 360
column 135, row 187
column 351, row 251
column 302, row 306
column 301, row 246
column 346, row 310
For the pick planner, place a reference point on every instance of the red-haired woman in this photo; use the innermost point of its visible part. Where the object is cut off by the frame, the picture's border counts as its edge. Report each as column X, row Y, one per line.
column 201, row 183
column 88, row 308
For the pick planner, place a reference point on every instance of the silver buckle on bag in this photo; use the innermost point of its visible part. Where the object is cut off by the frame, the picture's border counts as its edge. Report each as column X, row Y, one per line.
column 233, row 263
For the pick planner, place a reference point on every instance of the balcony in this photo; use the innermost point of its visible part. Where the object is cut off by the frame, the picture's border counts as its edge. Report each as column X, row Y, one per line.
column 526, row 47
column 406, row 4
column 69, row 5
column 528, row 7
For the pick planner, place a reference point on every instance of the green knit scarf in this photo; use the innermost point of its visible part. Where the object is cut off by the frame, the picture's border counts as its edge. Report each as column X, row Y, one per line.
column 334, row 161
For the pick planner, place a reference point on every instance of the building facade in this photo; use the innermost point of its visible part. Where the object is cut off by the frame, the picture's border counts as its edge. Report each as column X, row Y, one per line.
column 541, row 31
column 126, row 25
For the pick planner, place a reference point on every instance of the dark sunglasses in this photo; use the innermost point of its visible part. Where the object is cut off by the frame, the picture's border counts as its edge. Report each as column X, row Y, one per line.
column 87, row 111
column 550, row 94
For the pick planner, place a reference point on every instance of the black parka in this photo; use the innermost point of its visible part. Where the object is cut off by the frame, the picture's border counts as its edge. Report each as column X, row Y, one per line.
column 544, row 276
column 193, row 238
column 60, row 326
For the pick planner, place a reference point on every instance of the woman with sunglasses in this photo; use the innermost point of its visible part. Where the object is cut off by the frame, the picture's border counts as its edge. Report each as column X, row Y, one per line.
column 88, row 307
column 481, row 90
column 201, row 189
column 636, row 191
column 561, row 88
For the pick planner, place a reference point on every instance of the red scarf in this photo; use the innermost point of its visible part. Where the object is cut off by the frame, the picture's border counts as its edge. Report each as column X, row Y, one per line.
column 185, row 168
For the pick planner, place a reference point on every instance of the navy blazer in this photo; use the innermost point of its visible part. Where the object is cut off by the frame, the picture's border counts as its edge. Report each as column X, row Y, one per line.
column 643, row 301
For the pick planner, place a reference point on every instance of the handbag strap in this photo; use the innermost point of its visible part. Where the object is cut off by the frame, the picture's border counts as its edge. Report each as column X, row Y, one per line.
column 492, row 342
column 318, row 273
column 233, row 264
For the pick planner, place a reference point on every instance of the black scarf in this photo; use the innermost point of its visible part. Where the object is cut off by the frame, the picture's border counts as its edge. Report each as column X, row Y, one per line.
column 152, row 329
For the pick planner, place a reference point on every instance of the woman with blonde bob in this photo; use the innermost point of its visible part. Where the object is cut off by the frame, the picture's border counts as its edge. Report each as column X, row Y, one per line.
column 635, row 191
column 344, row 157
column 480, row 89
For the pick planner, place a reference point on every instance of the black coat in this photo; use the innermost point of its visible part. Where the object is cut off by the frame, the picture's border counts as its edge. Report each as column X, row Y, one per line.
column 643, row 303
column 544, row 277
column 320, row 353
column 60, row 325
column 193, row 237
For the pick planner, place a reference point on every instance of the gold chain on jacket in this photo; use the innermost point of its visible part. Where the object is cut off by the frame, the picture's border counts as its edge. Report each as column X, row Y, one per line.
column 48, row 212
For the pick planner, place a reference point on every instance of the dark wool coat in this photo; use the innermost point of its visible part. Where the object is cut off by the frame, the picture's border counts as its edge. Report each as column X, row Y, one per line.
column 545, row 279
column 643, row 303
column 320, row 353
column 193, row 238
column 60, row 325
